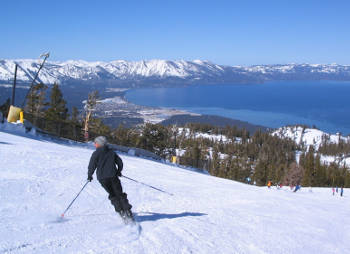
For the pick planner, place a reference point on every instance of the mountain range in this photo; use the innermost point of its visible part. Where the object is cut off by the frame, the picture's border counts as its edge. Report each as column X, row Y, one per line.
column 122, row 73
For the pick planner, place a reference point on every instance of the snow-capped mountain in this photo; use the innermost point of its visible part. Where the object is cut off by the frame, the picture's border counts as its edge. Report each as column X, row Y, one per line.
column 115, row 70
column 185, row 72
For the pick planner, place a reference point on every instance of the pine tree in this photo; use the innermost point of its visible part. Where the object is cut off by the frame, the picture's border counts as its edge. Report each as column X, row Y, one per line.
column 319, row 174
column 225, row 168
column 75, row 115
column 244, row 168
column 294, row 175
column 215, row 163
column 4, row 108
column 89, row 108
column 260, row 173
column 97, row 127
column 121, row 135
column 279, row 173
column 75, row 123
column 347, row 179
column 309, row 167
column 196, row 154
column 154, row 138
column 35, row 103
column 234, row 169
column 57, row 111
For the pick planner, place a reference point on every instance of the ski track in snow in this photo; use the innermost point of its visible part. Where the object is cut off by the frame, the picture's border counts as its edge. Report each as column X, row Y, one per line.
column 39, row 178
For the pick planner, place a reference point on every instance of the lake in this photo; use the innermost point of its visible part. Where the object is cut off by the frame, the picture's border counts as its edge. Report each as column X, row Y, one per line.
column 324, row 104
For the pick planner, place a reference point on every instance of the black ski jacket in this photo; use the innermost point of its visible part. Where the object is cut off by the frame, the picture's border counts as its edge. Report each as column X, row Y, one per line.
column 105, row 160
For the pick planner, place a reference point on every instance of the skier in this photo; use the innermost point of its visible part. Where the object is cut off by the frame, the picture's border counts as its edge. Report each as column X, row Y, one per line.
column 104, row 160
column 269, row 184
column 341, row 191
column 297, row 187
column 333, row 190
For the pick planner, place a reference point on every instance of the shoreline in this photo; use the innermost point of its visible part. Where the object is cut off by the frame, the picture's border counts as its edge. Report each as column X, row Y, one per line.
column 248, row 110
column 119, row 108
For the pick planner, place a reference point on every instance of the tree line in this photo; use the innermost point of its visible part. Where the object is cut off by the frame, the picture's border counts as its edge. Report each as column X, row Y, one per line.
column 256, row 158
column 238, row 155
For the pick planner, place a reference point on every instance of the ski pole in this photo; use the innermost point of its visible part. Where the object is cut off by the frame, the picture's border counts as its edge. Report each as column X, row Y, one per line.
column 62, row 215
column 147, row 185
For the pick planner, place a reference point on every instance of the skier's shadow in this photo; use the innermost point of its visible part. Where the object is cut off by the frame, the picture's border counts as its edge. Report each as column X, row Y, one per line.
column 4, row 143
column 159, row 216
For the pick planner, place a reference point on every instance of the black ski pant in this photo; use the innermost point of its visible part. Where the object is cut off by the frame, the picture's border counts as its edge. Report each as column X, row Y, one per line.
column 114, row 188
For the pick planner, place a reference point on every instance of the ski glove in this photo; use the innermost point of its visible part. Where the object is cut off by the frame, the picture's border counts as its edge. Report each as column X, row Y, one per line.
column 119, row 173
column 89, row 178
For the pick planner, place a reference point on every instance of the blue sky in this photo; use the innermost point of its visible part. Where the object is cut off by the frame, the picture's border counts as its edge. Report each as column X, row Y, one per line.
column 224, row 32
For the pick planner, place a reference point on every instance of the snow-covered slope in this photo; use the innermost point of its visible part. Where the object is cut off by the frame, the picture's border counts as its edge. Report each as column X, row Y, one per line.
column 206, row 214
column 217, row 138
column 313, row 137
column 186, row 71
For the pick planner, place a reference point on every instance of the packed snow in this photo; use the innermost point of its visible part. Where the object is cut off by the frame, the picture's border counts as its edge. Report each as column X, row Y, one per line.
column 205, row 214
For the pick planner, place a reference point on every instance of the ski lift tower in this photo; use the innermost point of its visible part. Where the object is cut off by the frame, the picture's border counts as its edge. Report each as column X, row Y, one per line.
column 16, row 113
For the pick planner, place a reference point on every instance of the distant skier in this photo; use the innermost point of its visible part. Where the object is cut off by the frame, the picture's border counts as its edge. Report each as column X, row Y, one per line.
column 297, row 187
column 269, row 184
column 104, row 160
column 333, row 190
column 336, row 189
column 341, row 191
